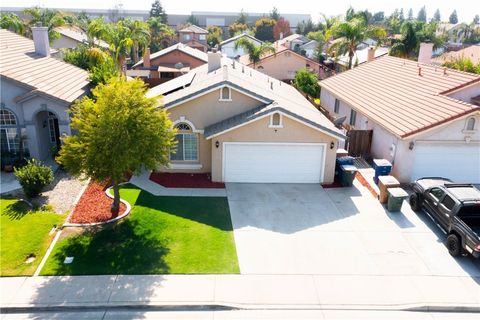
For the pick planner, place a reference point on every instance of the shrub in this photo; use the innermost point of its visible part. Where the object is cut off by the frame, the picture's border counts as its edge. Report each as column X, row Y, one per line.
column 33, row 177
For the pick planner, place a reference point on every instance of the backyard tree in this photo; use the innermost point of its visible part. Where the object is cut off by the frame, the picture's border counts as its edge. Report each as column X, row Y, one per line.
column 119, row 130
column 453, row 17
column 436, row 16
column 214, row 36
column 281, row 29
column 307, row 82
column 422, row 14
column 255, row 53
column 264, row 29
column 158, row 11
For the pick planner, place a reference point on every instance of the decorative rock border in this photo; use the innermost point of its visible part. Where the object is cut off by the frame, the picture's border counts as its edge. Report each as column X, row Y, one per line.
column 126, row 213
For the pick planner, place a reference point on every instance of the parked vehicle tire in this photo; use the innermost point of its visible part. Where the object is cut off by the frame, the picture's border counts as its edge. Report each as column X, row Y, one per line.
column 415, row 202
column 454, row 245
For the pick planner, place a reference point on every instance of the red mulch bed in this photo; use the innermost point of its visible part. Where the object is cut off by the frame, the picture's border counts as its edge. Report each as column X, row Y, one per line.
column 185, row 180
column 365, row 183
column 94, row 206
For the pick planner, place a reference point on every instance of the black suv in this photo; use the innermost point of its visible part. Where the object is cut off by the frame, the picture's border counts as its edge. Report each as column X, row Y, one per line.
column 455, row 207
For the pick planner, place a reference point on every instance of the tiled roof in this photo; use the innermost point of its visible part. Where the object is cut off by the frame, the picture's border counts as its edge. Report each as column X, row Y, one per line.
column 44, row 75
column 79, row 35
column 472, row 53
column 362, row 55
column 272, row 92
column 238, row 37
column 179, row 46
column 193, row 28
column 245, row 59
column 390, row 92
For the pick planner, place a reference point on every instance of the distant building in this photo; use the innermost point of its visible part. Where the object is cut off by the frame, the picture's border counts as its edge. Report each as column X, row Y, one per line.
column 194, row 36
column 228, row 46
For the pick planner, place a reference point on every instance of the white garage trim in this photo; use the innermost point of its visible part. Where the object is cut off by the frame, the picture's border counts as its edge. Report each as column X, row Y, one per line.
column 323, row 145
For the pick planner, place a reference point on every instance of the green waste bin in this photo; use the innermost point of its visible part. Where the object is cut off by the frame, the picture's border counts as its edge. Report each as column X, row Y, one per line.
column 395, row 199
column 347, row 174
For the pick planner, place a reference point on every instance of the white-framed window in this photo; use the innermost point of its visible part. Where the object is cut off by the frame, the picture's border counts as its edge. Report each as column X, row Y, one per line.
column 276, row 120
column 202, row 37
column 187, row 144
column 187, row 37
column 9, row 140
column 225, row 94
column 7, row 118
column 470, row 124
column 336, row 109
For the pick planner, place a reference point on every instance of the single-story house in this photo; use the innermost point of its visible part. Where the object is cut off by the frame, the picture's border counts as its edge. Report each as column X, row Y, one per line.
column 283, row 64
column 228, row 46
column 167, row 64
column 36, row 92
column 71, row 37
column 241, row 125
column 422, row 117
column 194, row 36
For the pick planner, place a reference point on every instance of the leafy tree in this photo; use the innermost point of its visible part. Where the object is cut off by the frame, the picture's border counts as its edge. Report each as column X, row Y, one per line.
column 422, row 14
column 318, row 36
column 33, row 177
column 282, row 27
column 214, row 36
column 158, row 11
column 453, row 17
column 305, row 27
column 237, row 28
column 12, row 22
column 46, row 18
column 274, row 14
column 476, row 19
column 161, row 35
column 242, row 17
column 140, row 35
column 378, row 17
column 119, row 130
column 401, row 17
column 255, row 53
column 119, row 36
column 350, row 34
column 408, row 43
column 264, row 29
column 410, row 14
column 307, row 82
column 97, row 29
column 436, row 16
column 193, row 20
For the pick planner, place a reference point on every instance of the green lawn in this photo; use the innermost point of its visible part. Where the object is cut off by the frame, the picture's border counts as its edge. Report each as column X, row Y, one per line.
column 23, row 232
column 161, row 235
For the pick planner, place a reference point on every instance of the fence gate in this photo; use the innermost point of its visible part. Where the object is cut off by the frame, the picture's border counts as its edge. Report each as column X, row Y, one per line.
column 359, row 143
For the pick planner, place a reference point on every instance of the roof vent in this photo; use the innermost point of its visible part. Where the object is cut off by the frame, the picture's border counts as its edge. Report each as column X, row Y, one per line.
column 420, row 71
column 271, row 85
column 445, row 71
column 243, row 69
column 233, row 64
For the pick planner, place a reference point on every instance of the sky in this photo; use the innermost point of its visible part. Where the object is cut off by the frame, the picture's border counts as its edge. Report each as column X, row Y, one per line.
column 466, row 9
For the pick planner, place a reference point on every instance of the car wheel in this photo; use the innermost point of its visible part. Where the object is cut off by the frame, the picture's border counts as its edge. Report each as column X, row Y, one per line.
column 415, row 202
column 454, row 245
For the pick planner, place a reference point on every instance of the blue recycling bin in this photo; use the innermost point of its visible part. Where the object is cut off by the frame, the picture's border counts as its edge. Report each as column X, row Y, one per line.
column 382, row 167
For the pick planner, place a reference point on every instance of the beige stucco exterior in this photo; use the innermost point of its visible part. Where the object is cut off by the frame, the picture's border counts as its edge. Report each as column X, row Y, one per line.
column 285, row 64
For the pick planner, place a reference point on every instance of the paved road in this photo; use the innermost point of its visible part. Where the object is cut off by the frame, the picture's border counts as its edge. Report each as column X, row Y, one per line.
column 305, row 229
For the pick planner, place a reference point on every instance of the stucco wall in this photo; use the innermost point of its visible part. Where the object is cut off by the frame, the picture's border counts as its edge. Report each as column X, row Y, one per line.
column 64, row 42
column 327, row 100
column 284, row 65
column 176, row 56
column 229, row 48
column 258, row 131
column 467, row 93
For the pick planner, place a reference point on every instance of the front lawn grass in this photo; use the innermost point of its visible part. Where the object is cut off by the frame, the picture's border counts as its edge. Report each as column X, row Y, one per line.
column 23, row 232
column 161, row 235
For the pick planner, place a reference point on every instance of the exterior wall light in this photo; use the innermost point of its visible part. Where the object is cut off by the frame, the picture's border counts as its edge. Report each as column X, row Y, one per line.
column 217, row 144
column 411, row 145
column 332, row 145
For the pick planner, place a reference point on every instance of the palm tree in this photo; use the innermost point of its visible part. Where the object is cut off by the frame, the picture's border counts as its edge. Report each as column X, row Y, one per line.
column 96, row 29
column 160, row 33
column 46, row 18
column 350, row 34
column 12, row 22
column 118, row 35
column 140, row 35
column 255, row 53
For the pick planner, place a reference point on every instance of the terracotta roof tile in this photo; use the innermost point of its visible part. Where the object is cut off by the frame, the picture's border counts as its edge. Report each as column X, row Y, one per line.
column 391, row 92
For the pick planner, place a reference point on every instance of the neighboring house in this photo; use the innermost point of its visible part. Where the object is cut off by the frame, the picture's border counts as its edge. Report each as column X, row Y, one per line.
column 369, row 42
column 361, row 56
column 422, row 117
column 284, row 64
column 194, row 37
column 243, row 126
column 472, row 53
column 167, row 64
column 228, row 46
column 71, row 37
column 454, row 35
column 36, row 92
column 298, row 43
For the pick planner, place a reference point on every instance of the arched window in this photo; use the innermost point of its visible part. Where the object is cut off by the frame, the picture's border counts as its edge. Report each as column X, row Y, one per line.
column 276, row 120
column 471, row 124
column 225, row 94
column 7, row 118
column 187, row 144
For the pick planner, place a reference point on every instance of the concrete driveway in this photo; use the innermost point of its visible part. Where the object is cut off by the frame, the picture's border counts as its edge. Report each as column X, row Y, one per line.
column 305, row 229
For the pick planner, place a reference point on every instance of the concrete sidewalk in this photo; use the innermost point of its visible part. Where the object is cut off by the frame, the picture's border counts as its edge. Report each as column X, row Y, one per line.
column 143, row 181
column 440, row 293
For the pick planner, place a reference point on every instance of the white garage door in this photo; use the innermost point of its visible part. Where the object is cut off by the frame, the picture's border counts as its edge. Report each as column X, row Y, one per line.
column 273, row 162
column 459, row 163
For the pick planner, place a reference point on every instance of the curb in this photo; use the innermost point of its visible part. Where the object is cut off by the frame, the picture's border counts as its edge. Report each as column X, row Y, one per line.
column 146, row 306
column 85, row 225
